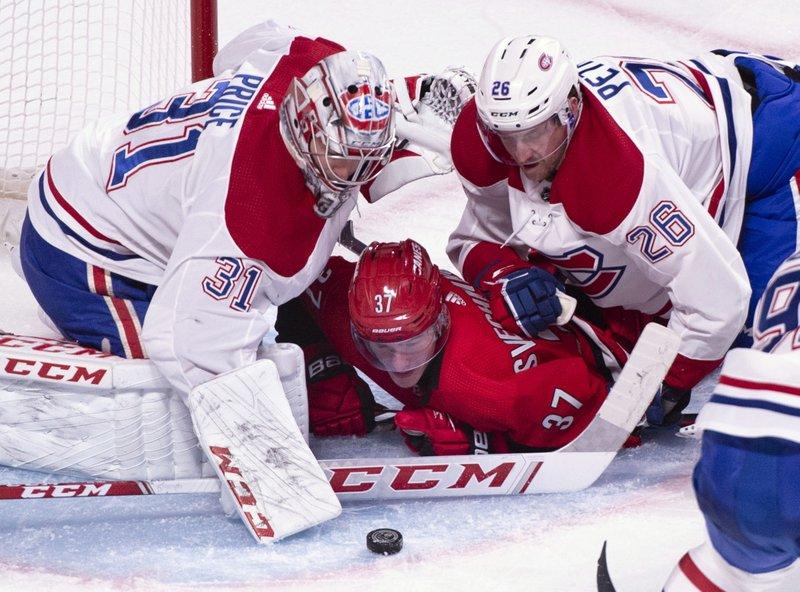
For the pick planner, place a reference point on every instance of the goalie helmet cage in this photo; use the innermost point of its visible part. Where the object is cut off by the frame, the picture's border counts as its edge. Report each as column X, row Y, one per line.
column 64, row 63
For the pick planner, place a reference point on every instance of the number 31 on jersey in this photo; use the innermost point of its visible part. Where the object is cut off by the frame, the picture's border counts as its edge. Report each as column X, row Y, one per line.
column 232, row 272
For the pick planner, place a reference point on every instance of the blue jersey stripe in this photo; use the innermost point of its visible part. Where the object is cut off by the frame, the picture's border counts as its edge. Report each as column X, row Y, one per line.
column 701, row 67
column 725, row 90
column 755, row 404
column 71, row 233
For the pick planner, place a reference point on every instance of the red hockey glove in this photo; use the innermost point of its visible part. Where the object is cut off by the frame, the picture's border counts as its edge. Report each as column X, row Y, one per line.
column 432, row 433
column 340, row 403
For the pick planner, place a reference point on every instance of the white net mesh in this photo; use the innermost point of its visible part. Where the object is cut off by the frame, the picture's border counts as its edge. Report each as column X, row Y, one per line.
column 66, row 62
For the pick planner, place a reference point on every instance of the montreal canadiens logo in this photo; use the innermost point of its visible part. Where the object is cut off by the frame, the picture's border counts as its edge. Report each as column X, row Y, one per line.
column 545, row 61
column 367, row 108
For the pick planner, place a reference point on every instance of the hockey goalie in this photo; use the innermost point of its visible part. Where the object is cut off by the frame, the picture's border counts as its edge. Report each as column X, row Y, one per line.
column 174, row 232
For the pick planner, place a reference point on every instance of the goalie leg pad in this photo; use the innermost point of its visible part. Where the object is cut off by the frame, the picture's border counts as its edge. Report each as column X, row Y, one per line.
column 247, row 430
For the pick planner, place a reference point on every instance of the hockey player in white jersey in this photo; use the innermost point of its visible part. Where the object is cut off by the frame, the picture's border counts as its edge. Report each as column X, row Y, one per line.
column 633, row 180
column 747, row 480
column 168, row 233
column 174, row 232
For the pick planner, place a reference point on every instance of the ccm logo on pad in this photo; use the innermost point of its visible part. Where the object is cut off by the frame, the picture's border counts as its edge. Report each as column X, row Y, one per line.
column 52, row 370
column 241, row 492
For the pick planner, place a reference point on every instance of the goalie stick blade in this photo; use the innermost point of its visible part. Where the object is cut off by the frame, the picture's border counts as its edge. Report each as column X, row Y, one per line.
column 604, row 583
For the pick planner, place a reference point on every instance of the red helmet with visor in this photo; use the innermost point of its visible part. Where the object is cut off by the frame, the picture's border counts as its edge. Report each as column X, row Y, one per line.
column 397, row 314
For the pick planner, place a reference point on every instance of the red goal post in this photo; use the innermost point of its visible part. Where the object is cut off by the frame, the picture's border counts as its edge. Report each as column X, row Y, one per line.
column 64, row 63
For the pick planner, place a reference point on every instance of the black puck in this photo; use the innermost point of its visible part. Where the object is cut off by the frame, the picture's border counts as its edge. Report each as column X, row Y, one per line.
column 386, row 541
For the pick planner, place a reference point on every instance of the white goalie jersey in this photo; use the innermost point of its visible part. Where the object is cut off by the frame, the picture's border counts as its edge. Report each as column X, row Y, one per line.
column 198, row 195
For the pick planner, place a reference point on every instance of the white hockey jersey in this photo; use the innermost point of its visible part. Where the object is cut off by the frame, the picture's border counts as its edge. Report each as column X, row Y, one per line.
column 646, row 208
column 198, row 195
column 758, row 394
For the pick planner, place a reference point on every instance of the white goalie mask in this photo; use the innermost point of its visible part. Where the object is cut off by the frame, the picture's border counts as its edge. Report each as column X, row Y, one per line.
column 338, row 123
column 523, row 95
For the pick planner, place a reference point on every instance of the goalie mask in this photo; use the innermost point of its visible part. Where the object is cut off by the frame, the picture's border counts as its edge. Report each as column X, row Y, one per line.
column 398, row 318
column 523, row 98
column 338, row 124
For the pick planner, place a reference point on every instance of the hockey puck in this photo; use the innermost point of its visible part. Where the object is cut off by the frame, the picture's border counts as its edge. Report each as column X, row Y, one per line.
column 385, row 541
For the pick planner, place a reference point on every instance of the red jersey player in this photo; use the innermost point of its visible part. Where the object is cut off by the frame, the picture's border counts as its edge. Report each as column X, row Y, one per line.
column 429, row 339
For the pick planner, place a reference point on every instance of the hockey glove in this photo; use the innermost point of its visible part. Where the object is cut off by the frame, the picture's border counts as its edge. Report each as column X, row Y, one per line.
column 524, row 301
column 446, row 93
column 340, row 403
column 667, row 406
column 432, row 433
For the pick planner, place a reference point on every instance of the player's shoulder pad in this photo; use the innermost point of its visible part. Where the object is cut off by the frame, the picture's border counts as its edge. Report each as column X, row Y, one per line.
column 470, row 157
column 268, row 205
column 601, row 177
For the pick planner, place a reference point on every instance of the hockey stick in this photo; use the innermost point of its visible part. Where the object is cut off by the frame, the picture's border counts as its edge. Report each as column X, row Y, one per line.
column 348, row 240
column 571, row 468
column 604, row 583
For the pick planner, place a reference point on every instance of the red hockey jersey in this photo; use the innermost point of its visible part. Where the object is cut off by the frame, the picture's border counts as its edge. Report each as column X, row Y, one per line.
column 540, row 393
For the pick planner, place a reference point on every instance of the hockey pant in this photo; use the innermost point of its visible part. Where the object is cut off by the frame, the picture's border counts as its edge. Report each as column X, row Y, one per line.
column 748, row 491
column 87, row 303
column 770, row 227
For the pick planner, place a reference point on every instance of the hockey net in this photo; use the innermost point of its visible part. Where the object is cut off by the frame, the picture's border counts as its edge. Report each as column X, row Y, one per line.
column 64, row 63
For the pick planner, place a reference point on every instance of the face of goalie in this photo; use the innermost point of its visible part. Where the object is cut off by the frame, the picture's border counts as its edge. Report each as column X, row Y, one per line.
column 332, row 166
column 337, row 121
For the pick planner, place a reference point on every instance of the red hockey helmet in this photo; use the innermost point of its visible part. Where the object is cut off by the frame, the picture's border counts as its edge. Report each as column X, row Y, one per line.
column 397, row 314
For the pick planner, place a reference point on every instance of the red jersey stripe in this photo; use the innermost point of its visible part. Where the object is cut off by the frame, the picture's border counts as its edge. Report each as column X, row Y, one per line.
column 697, row 577
column 73, row 212
column 760, row 386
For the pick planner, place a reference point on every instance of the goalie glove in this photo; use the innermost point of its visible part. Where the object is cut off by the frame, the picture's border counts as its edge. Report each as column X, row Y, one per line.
column 446, row 93
column 428, row 107
column 433, row 433
column 340, row 402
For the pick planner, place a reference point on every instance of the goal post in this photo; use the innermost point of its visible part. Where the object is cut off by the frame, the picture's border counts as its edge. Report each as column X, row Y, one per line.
column 64, row 63
column 203, row 27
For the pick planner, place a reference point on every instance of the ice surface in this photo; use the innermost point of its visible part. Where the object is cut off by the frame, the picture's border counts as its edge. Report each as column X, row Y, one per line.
column 643, row 505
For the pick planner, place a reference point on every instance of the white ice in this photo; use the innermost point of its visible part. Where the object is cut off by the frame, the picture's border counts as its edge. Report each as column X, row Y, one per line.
column 643, row 506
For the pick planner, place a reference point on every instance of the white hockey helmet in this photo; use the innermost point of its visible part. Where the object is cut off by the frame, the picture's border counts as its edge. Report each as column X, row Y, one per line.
column 523, row 92
column 337, row 121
